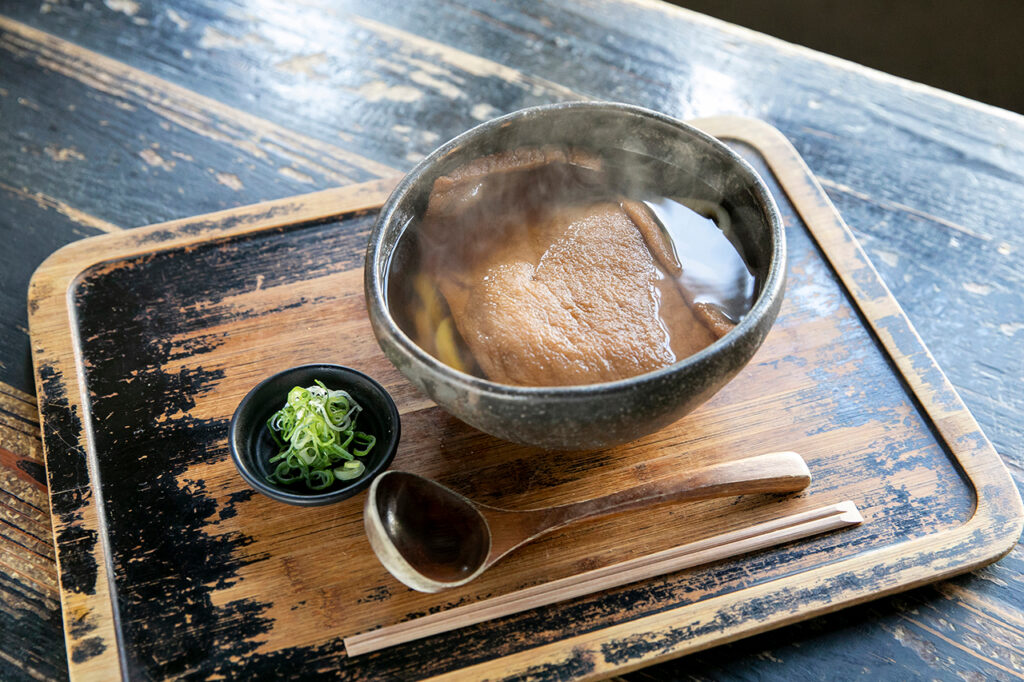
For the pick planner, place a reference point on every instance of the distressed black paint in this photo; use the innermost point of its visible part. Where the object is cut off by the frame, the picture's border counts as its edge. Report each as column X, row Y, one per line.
column 930, row 186
column 61, row 429
column 87, row 648
column 30, row 622
column 164, row 578
column 79, row 571
column 34, row 469
column 143, row 303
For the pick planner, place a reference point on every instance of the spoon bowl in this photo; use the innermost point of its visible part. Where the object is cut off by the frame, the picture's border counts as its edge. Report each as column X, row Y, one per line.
column 434, row 531
column 432, row 538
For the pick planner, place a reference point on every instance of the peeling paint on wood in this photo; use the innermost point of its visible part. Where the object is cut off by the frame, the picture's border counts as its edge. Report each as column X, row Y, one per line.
column 913, row 171
column 189, row 311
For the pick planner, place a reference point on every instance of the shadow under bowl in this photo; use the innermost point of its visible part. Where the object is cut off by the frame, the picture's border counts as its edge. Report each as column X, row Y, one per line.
column 596, row 415
column 252, row 445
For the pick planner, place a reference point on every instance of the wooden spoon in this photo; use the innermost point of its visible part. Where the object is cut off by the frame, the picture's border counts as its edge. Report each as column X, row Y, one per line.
column 432, row 538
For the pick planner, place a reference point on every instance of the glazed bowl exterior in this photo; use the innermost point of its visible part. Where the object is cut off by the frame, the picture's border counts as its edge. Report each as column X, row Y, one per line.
column 603, row 414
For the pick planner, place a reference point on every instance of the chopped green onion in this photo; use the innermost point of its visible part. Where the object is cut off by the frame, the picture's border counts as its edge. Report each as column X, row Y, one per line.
column 349, row 470
column 315, row 431
column 364, row 439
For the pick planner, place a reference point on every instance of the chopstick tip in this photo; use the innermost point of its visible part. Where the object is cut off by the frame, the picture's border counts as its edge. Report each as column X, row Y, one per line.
column 849, row 512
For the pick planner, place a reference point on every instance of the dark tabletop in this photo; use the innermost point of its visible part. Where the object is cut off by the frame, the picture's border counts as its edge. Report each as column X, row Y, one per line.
column 123, row 113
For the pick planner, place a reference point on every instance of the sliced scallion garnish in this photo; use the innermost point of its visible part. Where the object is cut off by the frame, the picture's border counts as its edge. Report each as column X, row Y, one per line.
column 316, row 431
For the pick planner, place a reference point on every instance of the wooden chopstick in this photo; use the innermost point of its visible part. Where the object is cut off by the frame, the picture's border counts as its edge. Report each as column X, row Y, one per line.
column 726, row 545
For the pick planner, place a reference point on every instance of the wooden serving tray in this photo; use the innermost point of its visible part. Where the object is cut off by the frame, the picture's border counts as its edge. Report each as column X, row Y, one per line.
column 145, row 341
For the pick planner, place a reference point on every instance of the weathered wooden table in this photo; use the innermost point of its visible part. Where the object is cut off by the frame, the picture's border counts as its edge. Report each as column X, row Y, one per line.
column 124, row 113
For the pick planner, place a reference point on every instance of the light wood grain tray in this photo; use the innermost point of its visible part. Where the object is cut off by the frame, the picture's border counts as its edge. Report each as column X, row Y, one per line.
column 145, row 341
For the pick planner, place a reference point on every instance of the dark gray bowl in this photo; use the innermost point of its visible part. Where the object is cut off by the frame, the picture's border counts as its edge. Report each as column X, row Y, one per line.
column 252, row 446
column 604, row 414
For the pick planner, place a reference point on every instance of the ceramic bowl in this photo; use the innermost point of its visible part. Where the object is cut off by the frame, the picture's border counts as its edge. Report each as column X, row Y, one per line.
column 603, row 414
column 252, row 445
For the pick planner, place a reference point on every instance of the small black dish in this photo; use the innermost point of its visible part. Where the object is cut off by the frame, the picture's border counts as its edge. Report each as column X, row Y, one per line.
column 252, row 445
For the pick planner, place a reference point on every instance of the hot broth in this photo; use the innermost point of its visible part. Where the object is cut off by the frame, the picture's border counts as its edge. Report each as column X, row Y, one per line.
column 534, row 267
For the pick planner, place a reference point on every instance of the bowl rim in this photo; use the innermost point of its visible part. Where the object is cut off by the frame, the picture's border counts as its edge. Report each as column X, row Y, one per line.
column 380, row 312
column 343, row 373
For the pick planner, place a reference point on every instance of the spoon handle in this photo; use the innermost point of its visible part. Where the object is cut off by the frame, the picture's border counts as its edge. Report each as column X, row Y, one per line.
column 777, row 472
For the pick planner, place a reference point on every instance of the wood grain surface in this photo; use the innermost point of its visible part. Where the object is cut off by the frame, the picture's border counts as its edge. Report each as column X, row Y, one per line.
column 144, row 343
column 119, row 114
column 778, row 531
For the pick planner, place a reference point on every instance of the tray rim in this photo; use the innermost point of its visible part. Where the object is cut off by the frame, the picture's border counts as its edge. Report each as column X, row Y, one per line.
column 992, row 530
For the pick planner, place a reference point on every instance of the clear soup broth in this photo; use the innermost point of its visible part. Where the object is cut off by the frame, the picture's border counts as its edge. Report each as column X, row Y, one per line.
column 535, row 267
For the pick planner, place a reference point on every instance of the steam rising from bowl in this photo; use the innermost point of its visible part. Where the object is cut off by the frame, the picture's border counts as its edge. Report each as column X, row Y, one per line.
column 608, row 412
